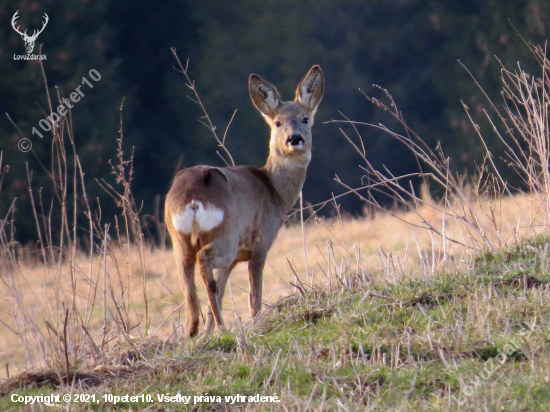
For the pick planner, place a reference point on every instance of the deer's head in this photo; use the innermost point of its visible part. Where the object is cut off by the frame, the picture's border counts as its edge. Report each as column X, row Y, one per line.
column 29, row 40
column 290, row 122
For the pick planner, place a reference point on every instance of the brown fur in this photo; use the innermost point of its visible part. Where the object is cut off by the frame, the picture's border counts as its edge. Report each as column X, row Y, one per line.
column 254, row 201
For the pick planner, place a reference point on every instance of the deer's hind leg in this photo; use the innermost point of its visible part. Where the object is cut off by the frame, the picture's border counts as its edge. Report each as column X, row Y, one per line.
column 221, row 282
column 210, row 257
column 186, row 258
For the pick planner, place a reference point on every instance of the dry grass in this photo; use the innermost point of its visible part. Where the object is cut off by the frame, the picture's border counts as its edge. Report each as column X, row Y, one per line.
column 414, row 344
column 387, row 248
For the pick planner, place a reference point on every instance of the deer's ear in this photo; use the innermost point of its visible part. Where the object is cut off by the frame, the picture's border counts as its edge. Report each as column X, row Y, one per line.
column 264, row 95
column 311, row 88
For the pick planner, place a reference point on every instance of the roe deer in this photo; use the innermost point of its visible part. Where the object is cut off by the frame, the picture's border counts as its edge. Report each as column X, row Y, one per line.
column 220, row 216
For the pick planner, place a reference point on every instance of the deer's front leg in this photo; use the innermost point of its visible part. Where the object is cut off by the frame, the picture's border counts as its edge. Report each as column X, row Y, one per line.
column 255, row 280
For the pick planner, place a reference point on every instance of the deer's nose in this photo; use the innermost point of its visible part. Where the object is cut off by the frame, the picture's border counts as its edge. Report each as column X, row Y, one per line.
column 295, row 140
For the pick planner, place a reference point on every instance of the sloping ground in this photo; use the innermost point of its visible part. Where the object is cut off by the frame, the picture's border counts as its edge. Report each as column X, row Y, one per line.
column 471, row 340
column 379, row 245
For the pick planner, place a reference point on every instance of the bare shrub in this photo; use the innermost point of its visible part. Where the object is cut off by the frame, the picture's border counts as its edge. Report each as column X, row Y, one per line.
column 466, row 213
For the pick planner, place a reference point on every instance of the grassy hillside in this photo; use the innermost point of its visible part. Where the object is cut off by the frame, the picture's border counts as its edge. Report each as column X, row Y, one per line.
column 474, row 339
column 105, row 291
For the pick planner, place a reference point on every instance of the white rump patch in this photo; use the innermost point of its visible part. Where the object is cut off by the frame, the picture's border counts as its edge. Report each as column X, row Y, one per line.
column 208, row 217
column 184, row 221
column 197, row 217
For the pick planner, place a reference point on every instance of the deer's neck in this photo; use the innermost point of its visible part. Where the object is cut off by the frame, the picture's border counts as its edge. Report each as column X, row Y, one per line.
column 287, row 173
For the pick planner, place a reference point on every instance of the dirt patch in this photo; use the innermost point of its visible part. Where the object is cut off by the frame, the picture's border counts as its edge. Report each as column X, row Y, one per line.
column 103, row 374
column 522, row 281
column 48, row 378
column 429, row 301
column 313, row 316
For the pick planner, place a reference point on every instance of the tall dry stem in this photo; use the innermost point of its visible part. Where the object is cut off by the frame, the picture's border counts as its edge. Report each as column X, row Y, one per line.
column 473, row 208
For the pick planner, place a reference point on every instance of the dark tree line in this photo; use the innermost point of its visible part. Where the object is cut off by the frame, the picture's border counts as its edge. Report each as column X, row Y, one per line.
column 409, row 47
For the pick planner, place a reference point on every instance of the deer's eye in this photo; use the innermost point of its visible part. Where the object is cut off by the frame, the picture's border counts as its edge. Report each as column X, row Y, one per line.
column 305, row 120
column 278, row 123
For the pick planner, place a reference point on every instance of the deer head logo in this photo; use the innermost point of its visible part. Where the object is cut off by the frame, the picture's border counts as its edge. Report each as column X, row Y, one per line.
column 29, row 40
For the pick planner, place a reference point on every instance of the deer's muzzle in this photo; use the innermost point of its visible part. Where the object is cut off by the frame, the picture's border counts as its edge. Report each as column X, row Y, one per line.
column 295, row 141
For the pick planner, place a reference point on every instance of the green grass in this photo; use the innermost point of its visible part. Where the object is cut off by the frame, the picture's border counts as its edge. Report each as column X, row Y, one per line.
column 472, row 340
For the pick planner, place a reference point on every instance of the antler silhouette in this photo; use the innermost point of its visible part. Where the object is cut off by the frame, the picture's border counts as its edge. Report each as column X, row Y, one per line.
column 29, row 40
column 13, row 19
column 37, row 32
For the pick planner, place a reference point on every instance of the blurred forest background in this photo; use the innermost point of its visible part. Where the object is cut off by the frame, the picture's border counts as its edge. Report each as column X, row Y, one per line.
column 409, row 47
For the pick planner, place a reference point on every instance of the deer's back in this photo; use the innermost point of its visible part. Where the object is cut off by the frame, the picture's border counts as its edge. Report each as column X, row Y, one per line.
column 249, row 201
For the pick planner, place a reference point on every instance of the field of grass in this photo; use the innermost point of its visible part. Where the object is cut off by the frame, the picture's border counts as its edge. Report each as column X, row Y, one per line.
column 381, row 246
column 433, row 305
column 468, row 333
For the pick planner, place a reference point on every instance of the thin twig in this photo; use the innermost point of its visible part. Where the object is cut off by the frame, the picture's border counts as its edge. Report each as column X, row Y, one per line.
column 210, row 126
